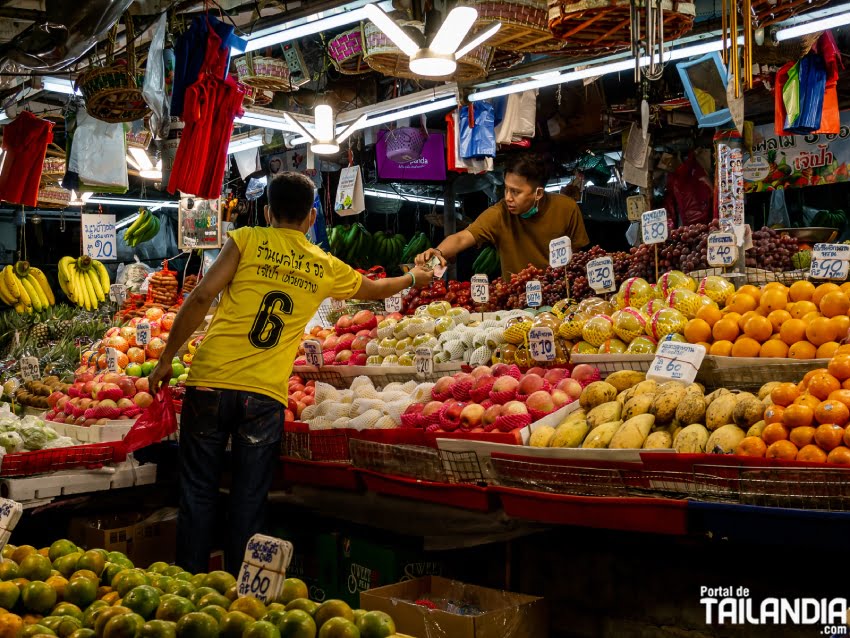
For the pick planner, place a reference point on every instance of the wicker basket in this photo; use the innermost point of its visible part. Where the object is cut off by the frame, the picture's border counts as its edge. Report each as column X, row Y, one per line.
column 52, row 170
column 264, row 73
column 783, row 52
column 53, row 197
column 524, row 28
column 597, row 26
column 768, row 12
column 385, row 57
column 346, row 51
column 113, row 93
column 504, row 60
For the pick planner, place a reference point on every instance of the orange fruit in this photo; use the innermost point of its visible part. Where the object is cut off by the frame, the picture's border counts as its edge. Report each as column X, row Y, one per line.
column 774, row 349
column 822, row 291
column 710, row 314
column 811, row 316
column 829, row 436
column 801, row 291
column 759, row 328
column 774, row 432
column 753, row 291
column 774, row 285
column 811, row 454
column 746, row 347
column 792, row 331
column 843, row 349
column 725, row 330
column 808, row 400
column 820, row 385
column 742, row 302
column 782, row 450
column 697, row 330
column 773, row 414
column 840, row 395
column 751, row 446
column 839, row 456
column 845, row 287
column 842, row 325
column 784, row 394
column 802, row 350
column 839, row 366
column 745, row 318
column 845, row 385
column 797, row 415
column 813, row 373
column 826, row 350
column 802, row 436
column 704, row 344
column 831, row 411
column 778, row 317
column 820, row 330
column 834, row 303
column 722, row 348
column 774, row 299
column 802, row 308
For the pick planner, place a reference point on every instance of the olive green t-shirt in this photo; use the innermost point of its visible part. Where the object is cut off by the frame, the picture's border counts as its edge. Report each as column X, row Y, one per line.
column 526, row 241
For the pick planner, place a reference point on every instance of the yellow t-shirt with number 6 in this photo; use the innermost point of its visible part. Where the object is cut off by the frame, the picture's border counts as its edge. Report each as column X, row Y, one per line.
column 253, row 339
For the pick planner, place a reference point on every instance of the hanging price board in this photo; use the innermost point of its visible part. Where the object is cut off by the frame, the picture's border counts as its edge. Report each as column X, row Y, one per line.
column 30, row 369
column 394, row 303
column 143, row 333
column 676, row 361
column 653, row 226
column 834, row 269
column 480, row 288
column 600, row 275
column 635, row 207
column 118, row 293
column 541, row 342
column 112, row 360
column 722, row 249
column 337, row 305
column 533, row 294
column 313, row 353
column 831, row 251
column 560, row 252
column 424, row 361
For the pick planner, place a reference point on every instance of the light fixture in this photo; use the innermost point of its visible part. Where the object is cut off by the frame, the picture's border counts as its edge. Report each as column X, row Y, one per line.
column 127, row 221
column 239, row 144
column 439, row 58
column 276, row 122
column 813, row 26
column 147, row 203
column 322, row 140
column 59, row 85
column 437, row 201
column 79, row 199
column 558, row 185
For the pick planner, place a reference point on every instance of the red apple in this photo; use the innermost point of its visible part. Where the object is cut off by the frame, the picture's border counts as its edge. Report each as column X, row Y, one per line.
column 491, row 414
column 142, row 399
column 373, row 333
column 515, row 407
column 481, row 371
column 54, row 398
column 537, row 370
column 126, row 404
column 363, row 317
column 500, row 369
column 167, row 321
column 470, row 416
column 343, row 356
column 111, row 377
column 108, row 403
column 60, row 404
column 395, row 315
column 362, row 333
column 330, row 342
column 443, row 385
column 113, row 332
column 570, row 387
column 343, row 323
column 560, row 398
column 584, row 372
column 89, row 422
column 530, row 384
column 142, row 384
column 541, row 401
column 454, row 410
column 359, row 343
column 308, row 399
column 85, row 403
column 85, row 377
column 505, row 384
column 431, row 408
column 359, row 359
column 482, row 381
column 288, row 415
column 80, row 420
column 128, row 387
column 555, row 375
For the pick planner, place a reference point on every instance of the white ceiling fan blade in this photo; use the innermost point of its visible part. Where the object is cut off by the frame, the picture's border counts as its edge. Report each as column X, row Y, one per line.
column 478, row 40
column 390, row 29
column 300, row 126
column 356, row 124
column 455, row 28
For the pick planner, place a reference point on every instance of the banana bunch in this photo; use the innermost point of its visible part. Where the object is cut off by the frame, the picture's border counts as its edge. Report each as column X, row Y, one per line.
column 25, row 288
column 145, row 228
column 387, row 249
column 487, row 263
column 352, row 244
column 417, row 244
column 84, row 280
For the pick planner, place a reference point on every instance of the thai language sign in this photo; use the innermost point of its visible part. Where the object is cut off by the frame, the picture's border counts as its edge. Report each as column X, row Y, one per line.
column 99, row 236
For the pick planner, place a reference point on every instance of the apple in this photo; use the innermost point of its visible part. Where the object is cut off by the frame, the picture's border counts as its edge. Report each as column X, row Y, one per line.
column 80, row 420
column 584, row 372
column 491, row 414
column 396, row 316
column 343, row 356
column 345, row 342
column 288, row 415
column 60, row 404
column 60, row 417
column 555, row 375
column 470, row 416
column 126, row 404
column 537, row 370
column 359, row 343
column 541, row 401
column 454, row 410
column 482, row 381
column 505, row 384
column 88, row 388
column 500, row 369
column 108, row 403
column 85, row 403
column 54, row 398
column 127, row 386
column 343, row 324
column 330, row 342
column 530, row 384
column 570, row 387
column 514, row 407
column 167, row 321
column 373, row 333
column 362, row 333
column 560, row 398
column 89, row 422
column 142, row 399
column 142, row 384
column 443, row 385
column 308, row 400
column 363, row 317
column 415, row 408
column 297, row 395
column 481, row 371
column 113, row 332
column 111, row 377
column 359, row 359
column 431, row 408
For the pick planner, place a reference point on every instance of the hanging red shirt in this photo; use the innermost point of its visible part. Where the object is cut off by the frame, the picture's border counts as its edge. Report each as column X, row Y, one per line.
column 25, row 142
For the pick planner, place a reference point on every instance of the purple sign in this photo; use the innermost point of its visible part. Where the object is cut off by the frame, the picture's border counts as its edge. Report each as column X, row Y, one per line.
column 430, row 167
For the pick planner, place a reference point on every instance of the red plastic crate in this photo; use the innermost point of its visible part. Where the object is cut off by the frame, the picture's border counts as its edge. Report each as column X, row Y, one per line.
column 338, row 476
column 92, row 455
column 468, row 497
column 301, row 442
column 397, row 436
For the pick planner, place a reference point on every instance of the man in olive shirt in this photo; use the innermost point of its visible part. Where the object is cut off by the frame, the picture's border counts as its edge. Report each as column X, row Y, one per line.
column 522, row 224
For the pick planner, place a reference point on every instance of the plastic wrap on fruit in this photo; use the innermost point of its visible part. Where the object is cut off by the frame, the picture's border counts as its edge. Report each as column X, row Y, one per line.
column 628, row 324
column 595, row 306
column 717, row 288
column 572, row 325
column 652, row 306
column 612, row 346
column 685, row 301
column 634, row 292
column 583, row 347
column 642, row 345
column 666, row 321
column 597, row 329
column 674, row 279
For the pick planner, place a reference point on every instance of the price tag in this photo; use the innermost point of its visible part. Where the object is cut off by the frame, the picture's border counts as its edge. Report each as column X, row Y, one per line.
column 533, row 294
column 835, row 269
column 313, row 353
column 541, row 341
column 424, row 361
column 99, row 236
column 337, row 305
column 635, row 207
column 112, row 359
column 30, row 369
column 480, row 286
column 394, row 303
column 722, row 249
column 653, row 226
column 143, row 333
column 600, row 274
column 676, row 361
column 560, row 252
column 259, row 582
column 118, row 293
column 831, row 251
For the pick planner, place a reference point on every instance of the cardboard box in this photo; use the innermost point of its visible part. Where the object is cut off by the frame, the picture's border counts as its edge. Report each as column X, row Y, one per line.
column 142, row 540
column 505, row 614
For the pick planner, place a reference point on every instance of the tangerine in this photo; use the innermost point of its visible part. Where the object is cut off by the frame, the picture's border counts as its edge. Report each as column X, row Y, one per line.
column 784, row 394
column 802, row 436
column 751, row 446
column 745, row 318
column 774, row 349
column 797, row 415
column 829, row 436
column 847, row 436
column 843, row 349
column 839, row 456
column 834, row 303
column 822, row 291
column 722, row 348
column 811, row 316
column 774, row 299
column 826, row 350
column 782, row 450
column 753, row 291
column 831, row 411
column 759, row 328
column 792, row 331
column 820, row 385
column 710, row 314
column 811, row 454
column 774, row 432
column 778, row 317
column 773, row 414
column 801, row 308
column 845, row 287
column 820, row 330
column 697, row 330
column 802, row 350
column 746, row 347
column 801, row 290
column 742, row 302
column 725, row 330
column 846, row 384
column 840, row 395
column 842, row 325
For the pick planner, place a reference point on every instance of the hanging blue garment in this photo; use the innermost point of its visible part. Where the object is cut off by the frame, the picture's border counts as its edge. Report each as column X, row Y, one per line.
column 318, row 231
column 478, row 136
column 812, row 90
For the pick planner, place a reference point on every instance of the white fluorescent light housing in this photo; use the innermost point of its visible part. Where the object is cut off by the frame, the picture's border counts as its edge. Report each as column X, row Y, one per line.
column 390, row 29
column 322, row 140
column 317, row 24
column 371, row 192
column 831, row 22
column 146, row 203
column 59, row 85
column 127, row 221
column 79, row 199
column 245, row 143
column 141, row 158
column 278, row 123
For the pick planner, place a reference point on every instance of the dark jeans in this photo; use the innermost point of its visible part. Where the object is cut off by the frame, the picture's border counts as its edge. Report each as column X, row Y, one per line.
column 254, row 424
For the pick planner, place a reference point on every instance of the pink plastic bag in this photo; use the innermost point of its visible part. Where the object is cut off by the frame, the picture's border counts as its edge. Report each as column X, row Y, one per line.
column 158, row 421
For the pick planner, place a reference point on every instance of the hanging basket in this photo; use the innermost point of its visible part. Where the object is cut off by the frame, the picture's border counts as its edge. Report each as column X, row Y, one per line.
column 405, row 144
column 346, row 52
column 599, row 26
column 787, row 51
column 264, row 73
column 113, row 93
column 53, row 197
column 385, row 57
column 768, row 12
column 504, row 60
column 52, row 170
column 525, row 25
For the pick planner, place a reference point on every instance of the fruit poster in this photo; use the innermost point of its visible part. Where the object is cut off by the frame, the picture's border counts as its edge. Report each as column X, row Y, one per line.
column 796, row 161
column 199, row 223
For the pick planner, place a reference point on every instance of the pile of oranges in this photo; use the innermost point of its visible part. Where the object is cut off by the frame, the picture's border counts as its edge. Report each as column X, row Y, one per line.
column 802, row 321
column 807, row 421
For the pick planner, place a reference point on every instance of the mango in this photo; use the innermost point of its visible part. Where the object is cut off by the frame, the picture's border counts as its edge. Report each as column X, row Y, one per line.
column 756, row 429
column 666, row 401
column 691, row 439
column 610, row 411
column 720, row 412
column 633, row 432
column 748, row 412
column 597, row 393
column 691, row 408
column 601, row 436
column 661, row 440
column 625, row 379
column 541, row 436
column 639, row 404
column 570, row 434
column 724, row 440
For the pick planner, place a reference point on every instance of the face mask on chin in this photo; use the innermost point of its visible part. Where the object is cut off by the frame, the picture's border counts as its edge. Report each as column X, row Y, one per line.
column 531, row 212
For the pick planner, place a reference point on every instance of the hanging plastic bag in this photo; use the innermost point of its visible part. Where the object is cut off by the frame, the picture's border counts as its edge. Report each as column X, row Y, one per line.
column 812, row 87
column 525, row 122
column 791, row 96
column 158, row 421
column 477, row 131
column 779, row 114
column 778, row 213
column 154, row 88
column 99, row 153
column 505, row 128
column 830, row 121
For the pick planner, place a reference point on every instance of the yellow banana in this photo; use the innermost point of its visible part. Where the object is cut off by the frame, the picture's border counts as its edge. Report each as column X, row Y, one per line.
column 92, row 298
column 19, row 308
column 82, row 293
column 38, row 291
column 103, row 275
column 64, row 284
column 12, row 281
column 95, row 283
column 44, row 285
column 5, row 294
column 33, row 295
column 78, row 299
column 24, row 296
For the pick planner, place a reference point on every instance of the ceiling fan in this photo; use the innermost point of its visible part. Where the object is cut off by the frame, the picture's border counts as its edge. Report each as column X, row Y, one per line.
column 439, row 57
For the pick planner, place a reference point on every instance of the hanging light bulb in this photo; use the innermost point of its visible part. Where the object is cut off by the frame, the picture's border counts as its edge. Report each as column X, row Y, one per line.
column 324, row 140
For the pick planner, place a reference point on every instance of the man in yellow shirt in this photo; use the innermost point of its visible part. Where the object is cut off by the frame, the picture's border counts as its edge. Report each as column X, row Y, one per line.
column 272, row 281
column 522, row 224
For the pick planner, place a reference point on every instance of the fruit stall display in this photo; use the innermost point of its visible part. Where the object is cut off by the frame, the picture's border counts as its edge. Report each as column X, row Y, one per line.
column 354, row 244
column 26, row 288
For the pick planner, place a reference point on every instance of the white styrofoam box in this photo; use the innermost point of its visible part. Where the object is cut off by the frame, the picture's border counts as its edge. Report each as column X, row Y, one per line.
column 269, row 552
column 260, row 582
column 126, row 474
column 10, row 513
column 5, row 535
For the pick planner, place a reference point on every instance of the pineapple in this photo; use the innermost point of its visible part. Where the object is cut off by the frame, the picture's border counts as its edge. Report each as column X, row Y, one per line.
column 39, row 335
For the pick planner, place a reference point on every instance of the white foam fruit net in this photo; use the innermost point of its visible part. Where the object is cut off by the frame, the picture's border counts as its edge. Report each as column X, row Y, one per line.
column 396, row 408
column 334, row 410
column 480, row 356
column 372, row 348
column 386, row 422
column 422, row 393
column 326, row 392
column 321, row 423
column 309, row 412
column 366, row 420
column 361, row 406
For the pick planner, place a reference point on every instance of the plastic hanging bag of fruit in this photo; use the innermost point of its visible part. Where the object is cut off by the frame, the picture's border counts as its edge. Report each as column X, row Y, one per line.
column 158, row 421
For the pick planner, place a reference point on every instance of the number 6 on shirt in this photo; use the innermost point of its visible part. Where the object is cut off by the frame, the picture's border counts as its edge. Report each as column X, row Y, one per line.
column 265, row 333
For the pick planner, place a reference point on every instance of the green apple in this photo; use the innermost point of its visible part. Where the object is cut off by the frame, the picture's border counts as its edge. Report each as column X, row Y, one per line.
column 133, row 370
column 177, row 368
column 173, row 381
column 147, row 367
column 182, row 378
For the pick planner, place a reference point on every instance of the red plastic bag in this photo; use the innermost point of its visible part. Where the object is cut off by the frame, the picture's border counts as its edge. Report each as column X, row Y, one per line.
column 158, row 421
column 689, row 196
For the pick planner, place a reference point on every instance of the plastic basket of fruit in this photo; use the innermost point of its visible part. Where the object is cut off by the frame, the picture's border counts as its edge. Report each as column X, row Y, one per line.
column 328, row 445
column 93, row 455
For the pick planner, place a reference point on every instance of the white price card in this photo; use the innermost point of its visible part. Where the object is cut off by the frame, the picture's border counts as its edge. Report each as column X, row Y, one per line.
column 480, row 287
column 600, row 274
column 722, row 249
column 676, row 361
column 834, row 269
column 424, row 361
column 99, row 236
column 337, row 305
column 143, row 333
column 653, row 226
column 112, row 359
column 560, row 252
column 394, row 303
column 117, row 293
column 635, row 207
column 30, row 369
column 313, row 353
column 269, row 552
column 541, row 341
column 533, row 294
column 831, row 251
column 259, row 582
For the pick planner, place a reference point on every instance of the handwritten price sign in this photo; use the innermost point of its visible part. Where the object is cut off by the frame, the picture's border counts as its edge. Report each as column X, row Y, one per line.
column 831, row 251
column 118, row 293
column 143, row 333
column 112, row 360
column 533, row 294
column 541, row 341
column 600, row 275
column 560, row 252
column 653, row 226
column 99, row 236
column 424, row 362
column 834, row 269
column 313, row 353
column 722, row 249
column 480, row 287
column 337, row 305
column 30, row 369
column 393, row 304
column 676, row 362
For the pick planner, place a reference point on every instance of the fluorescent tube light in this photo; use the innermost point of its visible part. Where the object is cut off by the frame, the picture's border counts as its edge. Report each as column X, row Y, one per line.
column 438, row 201
column 317, row 24
column 478, row 40
column 457, row 24
column 141, row 158
column 267, row 121
column 59, row 85
column 389, row 28
column 148, row 203
column 831, row 22
column 438, row 105
column 127, row 221
column 79, row 199
column 243, row 144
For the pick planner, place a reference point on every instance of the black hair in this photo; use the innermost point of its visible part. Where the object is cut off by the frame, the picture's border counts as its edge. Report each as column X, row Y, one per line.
column 530, row 166
column 291, row 197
